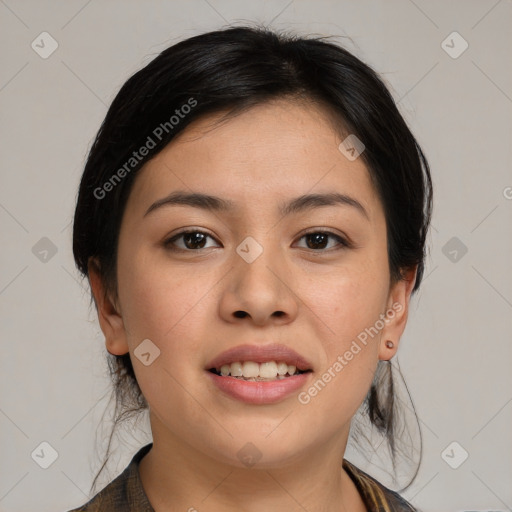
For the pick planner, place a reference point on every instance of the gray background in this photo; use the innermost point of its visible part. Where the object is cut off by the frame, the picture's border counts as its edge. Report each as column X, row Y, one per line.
column 456, row 352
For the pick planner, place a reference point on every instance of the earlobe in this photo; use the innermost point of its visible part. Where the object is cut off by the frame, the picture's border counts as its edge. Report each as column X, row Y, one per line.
column 396, row 315
column 110, row 319
column 388, row 351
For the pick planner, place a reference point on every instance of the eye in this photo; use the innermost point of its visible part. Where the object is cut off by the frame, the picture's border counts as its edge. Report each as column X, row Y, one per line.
column 195, row 240
column 192, row 239
column 318, row 240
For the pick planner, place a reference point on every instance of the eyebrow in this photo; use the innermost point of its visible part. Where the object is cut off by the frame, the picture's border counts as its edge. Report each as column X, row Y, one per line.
column 296, row 205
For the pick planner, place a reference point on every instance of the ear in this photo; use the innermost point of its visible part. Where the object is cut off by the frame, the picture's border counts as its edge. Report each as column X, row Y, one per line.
column 110, row 319
column 396, row 314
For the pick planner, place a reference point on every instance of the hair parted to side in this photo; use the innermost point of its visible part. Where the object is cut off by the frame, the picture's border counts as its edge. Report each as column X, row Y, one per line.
column 230, row 71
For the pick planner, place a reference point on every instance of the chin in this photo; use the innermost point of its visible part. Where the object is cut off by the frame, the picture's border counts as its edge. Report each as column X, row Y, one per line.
column 253, row 448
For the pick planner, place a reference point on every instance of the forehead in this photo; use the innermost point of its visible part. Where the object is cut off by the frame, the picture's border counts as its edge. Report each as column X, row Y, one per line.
column 270, row 152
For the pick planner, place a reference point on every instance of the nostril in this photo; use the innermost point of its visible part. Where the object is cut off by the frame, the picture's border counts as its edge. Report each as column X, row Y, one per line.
column 240, row 314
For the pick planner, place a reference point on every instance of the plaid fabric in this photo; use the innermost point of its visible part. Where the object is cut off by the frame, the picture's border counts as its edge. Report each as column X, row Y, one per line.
column 376, row 497
column 126, row 494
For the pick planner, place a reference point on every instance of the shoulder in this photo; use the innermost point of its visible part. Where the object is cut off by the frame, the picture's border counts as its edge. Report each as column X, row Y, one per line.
column 124, row 493
column 112, row 498
column 376, row 496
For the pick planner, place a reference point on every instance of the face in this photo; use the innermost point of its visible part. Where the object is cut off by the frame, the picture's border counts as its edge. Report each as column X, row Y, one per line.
column 312, row 279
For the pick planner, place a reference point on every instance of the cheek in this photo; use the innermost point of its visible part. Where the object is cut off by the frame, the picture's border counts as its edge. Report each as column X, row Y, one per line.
column 340, row 386
column 154, row 300
column 169, row 306
column 350, row 306
column 166, row 308
column 352, row 301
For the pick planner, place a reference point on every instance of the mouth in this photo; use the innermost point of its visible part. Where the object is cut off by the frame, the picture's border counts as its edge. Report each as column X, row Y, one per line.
column 259, row 363
column 253, row 371
column 259, row 374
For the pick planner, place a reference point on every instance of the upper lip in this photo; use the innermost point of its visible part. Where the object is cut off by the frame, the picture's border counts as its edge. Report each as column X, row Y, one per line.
column 260, row 354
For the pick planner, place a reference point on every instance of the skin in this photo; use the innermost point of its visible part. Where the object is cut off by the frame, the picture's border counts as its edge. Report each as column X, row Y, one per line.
column 185, row 303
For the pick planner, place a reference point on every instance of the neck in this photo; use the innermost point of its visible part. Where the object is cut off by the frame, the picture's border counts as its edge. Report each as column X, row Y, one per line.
column 177, row 477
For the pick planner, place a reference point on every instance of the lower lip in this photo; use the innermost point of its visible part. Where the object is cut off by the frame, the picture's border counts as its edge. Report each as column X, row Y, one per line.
column 254, row 392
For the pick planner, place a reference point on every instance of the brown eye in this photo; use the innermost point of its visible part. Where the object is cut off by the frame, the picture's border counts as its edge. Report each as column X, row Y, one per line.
column 319, row 240
column 191, row 241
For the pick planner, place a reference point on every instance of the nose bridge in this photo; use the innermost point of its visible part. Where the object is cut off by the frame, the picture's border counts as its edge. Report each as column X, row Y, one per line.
column 259, row 279
column 256, row 259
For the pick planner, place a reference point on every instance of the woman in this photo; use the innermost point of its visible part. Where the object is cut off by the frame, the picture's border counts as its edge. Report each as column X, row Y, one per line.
column 252, row 221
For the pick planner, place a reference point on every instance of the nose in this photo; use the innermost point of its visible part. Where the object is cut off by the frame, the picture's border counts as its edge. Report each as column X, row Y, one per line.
column 260, row 292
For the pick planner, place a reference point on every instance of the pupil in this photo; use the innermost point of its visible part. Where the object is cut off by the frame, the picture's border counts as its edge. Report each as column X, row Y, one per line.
column 318, row 239
column 194, row 238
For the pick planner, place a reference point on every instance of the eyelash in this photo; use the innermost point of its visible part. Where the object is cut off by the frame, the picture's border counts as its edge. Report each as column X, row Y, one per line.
column 169, row 243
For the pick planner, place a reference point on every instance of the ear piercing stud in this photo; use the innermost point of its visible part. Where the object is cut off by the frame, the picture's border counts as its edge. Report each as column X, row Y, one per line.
column 390, row 344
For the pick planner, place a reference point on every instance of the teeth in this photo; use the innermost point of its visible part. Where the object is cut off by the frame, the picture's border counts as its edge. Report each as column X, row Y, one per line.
column 251, row 370
column 268, row 370
column 236, row 369
column 282, row 368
